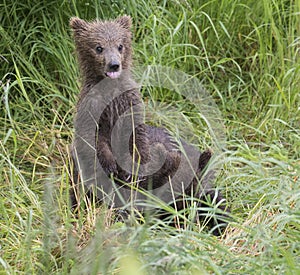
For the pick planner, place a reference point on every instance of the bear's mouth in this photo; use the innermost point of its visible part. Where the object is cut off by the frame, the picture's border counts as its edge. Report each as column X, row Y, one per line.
column 113, row 75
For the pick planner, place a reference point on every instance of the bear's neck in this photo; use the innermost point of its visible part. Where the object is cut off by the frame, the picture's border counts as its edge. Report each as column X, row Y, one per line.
column 91, row 80
column 88, row 83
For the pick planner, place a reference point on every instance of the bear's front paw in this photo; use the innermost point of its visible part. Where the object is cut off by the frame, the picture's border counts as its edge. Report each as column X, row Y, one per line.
column 110, row 168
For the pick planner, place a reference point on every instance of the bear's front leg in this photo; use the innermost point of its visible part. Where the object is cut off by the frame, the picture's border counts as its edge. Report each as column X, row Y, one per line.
column 141, row 145
column 105, row 157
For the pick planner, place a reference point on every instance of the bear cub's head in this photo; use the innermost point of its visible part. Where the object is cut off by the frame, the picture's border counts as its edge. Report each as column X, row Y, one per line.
column 103, row 47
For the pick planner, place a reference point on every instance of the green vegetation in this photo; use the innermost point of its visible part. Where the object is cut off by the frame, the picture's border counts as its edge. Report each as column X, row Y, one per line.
column 247, row 55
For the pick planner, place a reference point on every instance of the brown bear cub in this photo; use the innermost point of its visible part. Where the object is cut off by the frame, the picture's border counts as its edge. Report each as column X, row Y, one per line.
column 113, row 147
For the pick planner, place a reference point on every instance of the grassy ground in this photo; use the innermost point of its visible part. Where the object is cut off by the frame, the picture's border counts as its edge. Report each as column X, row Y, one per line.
column 246, row 53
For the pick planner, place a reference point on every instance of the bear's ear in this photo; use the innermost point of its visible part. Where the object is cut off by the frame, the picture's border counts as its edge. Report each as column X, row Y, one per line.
column 124, row 21
column 78, row 24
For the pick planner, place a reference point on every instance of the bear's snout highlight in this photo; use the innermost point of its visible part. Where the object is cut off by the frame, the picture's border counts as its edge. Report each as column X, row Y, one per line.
column 113, row 69
column 114, row 66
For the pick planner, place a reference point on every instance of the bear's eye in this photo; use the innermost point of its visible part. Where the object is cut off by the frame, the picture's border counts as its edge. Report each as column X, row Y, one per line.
column 99, row 49
column 120, row 48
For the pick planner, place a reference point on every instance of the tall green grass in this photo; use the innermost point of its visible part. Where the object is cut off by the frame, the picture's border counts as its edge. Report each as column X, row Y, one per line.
column 246, row 53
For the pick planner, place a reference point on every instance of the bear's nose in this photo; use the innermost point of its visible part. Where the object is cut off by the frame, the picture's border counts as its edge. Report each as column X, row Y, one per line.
column 114, row 66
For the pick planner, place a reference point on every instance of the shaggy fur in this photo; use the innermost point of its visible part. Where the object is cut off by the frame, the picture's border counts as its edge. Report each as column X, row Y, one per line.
column 104, row 51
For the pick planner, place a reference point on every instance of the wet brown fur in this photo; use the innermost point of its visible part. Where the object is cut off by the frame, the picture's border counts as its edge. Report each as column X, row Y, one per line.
column 109, row 35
